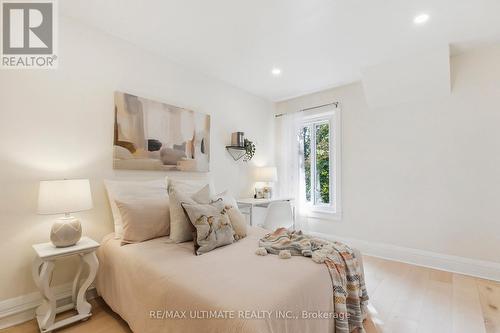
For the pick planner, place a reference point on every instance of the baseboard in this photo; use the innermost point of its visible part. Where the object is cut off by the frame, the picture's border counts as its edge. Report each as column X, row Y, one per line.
column 478, row 268
column 20, row 309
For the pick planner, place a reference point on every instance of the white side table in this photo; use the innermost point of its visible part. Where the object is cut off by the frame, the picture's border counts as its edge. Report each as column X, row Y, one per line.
column 43, row 265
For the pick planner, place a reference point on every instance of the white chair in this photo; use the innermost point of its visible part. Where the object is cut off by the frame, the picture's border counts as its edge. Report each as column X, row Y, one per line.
column 279, row 214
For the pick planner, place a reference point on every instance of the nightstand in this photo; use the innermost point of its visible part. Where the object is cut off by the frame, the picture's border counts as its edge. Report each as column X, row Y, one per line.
column 43, row 265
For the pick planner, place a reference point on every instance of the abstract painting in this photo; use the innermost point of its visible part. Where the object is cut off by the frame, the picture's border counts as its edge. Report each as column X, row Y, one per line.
column 150, row 135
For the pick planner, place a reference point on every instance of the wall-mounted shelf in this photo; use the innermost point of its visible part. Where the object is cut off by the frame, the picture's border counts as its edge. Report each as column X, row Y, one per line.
column 236, row 152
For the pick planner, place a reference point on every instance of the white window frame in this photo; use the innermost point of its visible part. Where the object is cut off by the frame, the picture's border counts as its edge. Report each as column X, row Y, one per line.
column 333, row 210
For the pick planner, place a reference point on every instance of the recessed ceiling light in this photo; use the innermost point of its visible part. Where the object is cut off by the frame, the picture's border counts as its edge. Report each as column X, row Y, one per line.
column 421, row 18
column 276, row 71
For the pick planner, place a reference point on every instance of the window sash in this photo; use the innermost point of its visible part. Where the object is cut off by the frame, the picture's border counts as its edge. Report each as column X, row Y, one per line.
column 313, row 172
column 317, row 179
column 311, row 124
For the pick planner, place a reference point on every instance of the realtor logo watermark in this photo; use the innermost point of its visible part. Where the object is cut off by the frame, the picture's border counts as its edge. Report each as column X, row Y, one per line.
column 29, row 34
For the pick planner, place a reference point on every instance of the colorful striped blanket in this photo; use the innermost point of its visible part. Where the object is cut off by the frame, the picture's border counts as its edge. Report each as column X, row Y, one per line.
column 350, row 297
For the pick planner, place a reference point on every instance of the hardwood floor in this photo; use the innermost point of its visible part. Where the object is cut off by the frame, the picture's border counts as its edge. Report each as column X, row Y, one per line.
column 412, row 299
column 403, row 298
column 103, row 320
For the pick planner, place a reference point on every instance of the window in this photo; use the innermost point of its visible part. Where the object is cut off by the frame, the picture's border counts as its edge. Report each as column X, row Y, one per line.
column 319, row 140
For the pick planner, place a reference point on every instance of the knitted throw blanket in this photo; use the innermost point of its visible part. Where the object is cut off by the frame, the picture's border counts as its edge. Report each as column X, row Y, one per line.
column 350, row 297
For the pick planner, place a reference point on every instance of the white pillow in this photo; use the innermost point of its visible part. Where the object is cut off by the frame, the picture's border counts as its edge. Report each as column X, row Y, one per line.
column 203, row 196
column 144, row 218
column 236, row 218
column 187, row 186
column 238, row 222
column 181, row 229
column 125, row 189
column 226, row 198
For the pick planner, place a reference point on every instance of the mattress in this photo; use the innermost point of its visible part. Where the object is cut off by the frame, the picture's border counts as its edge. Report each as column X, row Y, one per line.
column 157, row 286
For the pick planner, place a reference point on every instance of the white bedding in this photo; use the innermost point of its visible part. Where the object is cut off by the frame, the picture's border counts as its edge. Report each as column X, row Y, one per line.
column 156, row 275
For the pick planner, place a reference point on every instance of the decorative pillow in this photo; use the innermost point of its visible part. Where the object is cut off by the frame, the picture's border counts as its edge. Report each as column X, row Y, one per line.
column 203, row 195
column 212, row 225
column 226, row 198
column 186, row 186
column 238, row 222
column 144, row 218
column 125, row 189
column 181, row 229
column 237, row 219
column 183, row 190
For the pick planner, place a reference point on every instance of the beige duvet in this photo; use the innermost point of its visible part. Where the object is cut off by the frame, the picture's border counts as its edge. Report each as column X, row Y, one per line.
column 161, row 287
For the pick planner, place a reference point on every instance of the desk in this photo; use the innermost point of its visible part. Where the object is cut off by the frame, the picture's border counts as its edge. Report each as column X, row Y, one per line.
column 247, row 204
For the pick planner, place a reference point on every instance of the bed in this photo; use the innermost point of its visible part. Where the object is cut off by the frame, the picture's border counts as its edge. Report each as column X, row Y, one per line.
column 158, row 286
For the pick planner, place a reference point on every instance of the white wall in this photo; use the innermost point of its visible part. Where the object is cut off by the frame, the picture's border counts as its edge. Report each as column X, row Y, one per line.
column 59, row 124
column 421, row 76
column 422, row 175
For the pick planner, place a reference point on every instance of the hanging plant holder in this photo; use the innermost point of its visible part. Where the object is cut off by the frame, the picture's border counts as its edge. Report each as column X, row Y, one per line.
column 240, row 147
column 236, row 152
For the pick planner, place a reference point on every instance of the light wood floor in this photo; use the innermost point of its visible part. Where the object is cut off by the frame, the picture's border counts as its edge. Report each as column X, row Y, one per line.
column 403, row 299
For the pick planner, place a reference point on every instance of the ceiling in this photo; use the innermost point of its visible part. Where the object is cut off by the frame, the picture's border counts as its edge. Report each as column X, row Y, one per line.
column 317, row 44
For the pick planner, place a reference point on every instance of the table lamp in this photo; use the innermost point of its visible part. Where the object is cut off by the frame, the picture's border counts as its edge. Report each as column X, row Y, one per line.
column 265, row 175
column 64, row 197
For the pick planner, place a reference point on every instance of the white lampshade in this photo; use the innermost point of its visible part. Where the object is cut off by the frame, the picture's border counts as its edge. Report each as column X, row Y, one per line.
column 266, row 174
column 64, row 196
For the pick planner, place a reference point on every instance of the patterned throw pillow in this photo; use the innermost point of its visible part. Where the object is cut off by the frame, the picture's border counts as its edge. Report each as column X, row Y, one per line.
column 236, row 218
column 213, row 228
column 238, row 222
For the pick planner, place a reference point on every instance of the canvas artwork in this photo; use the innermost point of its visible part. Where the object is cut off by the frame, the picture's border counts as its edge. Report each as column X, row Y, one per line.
column 151, row 135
